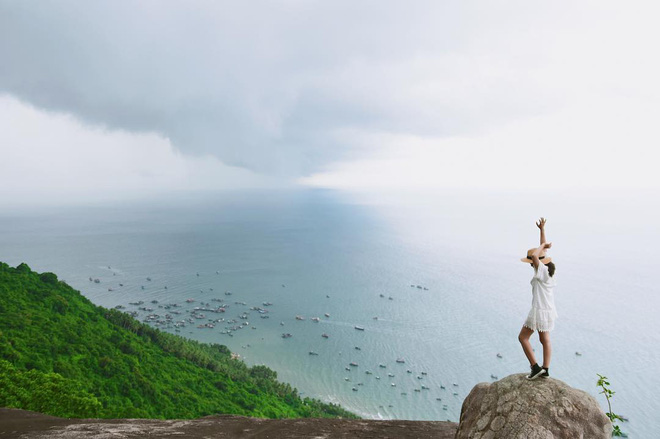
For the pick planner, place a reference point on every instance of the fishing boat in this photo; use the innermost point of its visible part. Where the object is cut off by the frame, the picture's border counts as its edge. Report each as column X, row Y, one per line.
column 400, row 360
column 324, row 335
column 359, row 328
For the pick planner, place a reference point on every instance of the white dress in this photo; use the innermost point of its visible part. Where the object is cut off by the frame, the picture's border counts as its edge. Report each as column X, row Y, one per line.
column 543, row 313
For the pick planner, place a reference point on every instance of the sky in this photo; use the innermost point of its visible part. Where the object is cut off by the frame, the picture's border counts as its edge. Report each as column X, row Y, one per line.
column 120, row 99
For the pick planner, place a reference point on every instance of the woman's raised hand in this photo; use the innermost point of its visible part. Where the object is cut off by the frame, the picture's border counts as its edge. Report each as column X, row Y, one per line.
column 541, row 223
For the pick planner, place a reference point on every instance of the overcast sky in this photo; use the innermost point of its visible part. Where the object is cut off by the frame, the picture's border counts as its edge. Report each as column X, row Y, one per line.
column 107, row 99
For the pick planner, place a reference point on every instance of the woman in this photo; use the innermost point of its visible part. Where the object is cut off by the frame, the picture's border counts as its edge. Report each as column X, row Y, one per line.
column 541, row 317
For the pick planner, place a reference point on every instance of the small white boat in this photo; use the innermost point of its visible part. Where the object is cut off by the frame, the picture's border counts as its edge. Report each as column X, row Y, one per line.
column 359, row 328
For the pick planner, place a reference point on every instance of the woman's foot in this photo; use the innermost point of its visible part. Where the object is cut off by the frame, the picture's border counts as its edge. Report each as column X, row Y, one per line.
column 536, row 372
column 545, row 373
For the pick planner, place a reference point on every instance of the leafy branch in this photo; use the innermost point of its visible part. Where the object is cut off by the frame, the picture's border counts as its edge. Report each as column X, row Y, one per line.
column 603, row 384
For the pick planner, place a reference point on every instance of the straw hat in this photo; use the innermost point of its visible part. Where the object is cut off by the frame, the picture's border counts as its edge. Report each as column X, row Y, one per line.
column 542, row 257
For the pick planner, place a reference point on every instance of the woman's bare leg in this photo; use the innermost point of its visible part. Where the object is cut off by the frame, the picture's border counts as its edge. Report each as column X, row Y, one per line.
column 523, row 338
column 544, row 337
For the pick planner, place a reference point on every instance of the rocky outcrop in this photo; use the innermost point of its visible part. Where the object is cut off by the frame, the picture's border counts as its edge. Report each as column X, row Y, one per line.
column 546, row 408
column 29, row 425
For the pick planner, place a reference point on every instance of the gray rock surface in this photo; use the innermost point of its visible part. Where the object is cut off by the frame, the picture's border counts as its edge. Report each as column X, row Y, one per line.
column 516, row 408
column 20, row 424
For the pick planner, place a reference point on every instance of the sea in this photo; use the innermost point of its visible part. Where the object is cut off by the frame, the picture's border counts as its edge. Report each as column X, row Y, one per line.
column 422, row 292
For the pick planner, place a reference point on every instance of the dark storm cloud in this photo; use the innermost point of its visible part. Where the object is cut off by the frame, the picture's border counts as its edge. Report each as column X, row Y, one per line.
column 266, row 86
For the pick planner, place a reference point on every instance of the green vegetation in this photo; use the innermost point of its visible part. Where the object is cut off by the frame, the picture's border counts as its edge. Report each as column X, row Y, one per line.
column 62, row 355
column 603, row 384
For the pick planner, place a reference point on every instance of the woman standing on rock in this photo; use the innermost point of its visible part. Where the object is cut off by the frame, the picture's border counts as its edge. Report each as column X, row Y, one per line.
column 541, row 317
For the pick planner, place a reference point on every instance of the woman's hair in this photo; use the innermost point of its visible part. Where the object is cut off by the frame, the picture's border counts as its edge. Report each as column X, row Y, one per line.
column 551, row 268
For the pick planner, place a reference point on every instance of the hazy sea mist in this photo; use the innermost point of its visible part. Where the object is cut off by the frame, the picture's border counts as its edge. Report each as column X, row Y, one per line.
column 312, row 252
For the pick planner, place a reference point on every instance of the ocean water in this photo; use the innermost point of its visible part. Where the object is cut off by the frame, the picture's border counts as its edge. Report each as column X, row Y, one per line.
column 359, row 258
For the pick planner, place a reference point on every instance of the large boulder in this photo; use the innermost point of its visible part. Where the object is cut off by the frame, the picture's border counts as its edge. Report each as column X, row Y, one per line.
column 516, row 408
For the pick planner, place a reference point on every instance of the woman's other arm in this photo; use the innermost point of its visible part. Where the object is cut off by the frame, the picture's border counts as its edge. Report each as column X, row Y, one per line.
column 535, row 255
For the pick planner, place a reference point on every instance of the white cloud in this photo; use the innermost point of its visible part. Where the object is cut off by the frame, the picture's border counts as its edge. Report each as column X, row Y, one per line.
column 589, row 145
column 53, row 158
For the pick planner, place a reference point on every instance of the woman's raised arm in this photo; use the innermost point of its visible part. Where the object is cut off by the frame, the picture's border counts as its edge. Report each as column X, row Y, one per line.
column 541, row 225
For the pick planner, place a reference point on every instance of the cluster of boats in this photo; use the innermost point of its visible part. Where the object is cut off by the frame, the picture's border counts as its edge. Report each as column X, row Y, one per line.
column 201, row 316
